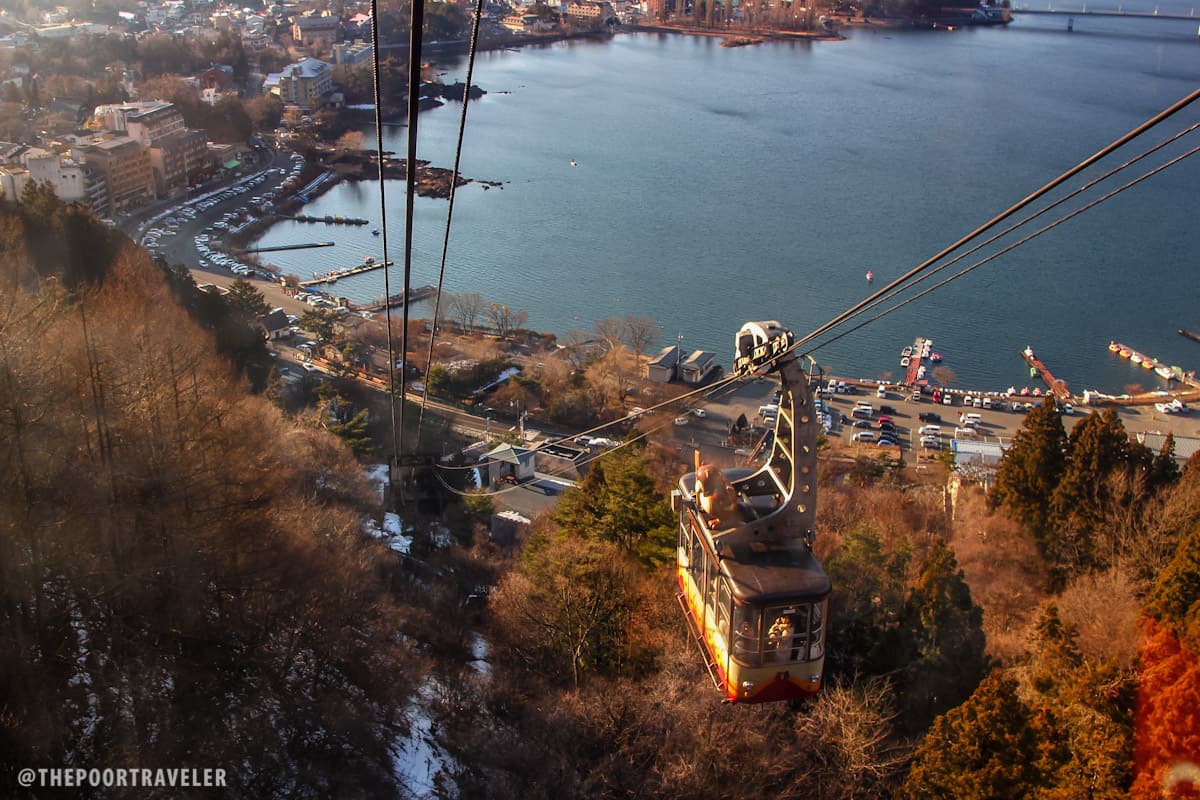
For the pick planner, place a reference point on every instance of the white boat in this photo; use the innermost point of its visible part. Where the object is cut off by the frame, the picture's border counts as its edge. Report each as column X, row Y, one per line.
column 1135, row 358
column 921, row 371
column 908, row 351
column 904, row 361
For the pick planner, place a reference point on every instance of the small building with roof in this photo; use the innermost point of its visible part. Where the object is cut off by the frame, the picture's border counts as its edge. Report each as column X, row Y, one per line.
column 698, row 366
column 662, row 368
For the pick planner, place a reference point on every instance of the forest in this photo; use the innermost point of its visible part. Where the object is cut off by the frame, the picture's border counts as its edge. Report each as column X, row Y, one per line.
column 191, row 575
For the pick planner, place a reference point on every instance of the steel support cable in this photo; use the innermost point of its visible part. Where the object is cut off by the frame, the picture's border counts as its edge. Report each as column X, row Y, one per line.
column 1073, row 171
column 1016, row 244
column 1024, row 221
column 462, row 127
column 387, row 292
column 416, row 26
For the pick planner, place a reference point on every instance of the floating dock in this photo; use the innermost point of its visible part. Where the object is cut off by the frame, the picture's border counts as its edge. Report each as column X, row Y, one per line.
column 333, row 275
column 921, row 349
column 1056, row 386
column 1164, row 371
column 420, row 293
column 331, row 219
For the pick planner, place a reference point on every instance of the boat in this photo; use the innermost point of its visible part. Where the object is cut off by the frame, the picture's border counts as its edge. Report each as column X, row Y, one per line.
column 921, row 372
column 870, row 276
column 1113, row 347
column 1190, row 334
column 1136, row 358
column 935, row 357
column 375, row 232
column 904, row 361
column 1164, row 372
column 370, row 260
column 1125, row 352
column 908, row 351
column 1148, row 363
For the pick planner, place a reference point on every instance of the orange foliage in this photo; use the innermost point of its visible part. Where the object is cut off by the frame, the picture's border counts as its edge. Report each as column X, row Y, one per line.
column 1167, row 730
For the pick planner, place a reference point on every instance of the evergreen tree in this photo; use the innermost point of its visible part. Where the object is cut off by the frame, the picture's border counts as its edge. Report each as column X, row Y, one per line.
column 246, row 301
column 983, row 750
column 618, row 502
column 943, row 628
column 1175, row 598
column 1031, row 471
column 1098, row 447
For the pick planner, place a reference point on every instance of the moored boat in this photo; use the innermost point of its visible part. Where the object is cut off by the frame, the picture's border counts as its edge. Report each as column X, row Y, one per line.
column 1164, row 372
column 1125, row 352
column 908, row 351
column 1113, row 347
column 904, row 361
column 1136, row 358
column 935, row 357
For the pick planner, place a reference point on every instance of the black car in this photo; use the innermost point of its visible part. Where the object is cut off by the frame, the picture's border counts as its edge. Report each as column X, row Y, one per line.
column 861, row 423
column 929, row 416
column 887, row 410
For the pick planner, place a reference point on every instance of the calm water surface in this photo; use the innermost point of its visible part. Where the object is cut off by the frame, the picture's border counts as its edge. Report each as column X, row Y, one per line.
column 716, row 185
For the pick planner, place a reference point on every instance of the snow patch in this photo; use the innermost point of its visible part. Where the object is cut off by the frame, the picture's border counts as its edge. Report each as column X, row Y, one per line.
column 392, row 531
column 480, row 648
column 377, row 476
column 418, row 760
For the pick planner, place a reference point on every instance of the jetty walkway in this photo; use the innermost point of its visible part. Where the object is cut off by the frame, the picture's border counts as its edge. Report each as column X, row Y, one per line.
column 346, row 272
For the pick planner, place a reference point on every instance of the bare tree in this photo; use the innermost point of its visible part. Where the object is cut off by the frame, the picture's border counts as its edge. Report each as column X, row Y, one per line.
column 640, row 332
column 504, row 319
column 465, row 308
column 944, row 376
column 611, row 330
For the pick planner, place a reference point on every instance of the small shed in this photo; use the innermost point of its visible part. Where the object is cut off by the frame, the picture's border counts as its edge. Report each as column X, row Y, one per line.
column 661, row 368
column 699, row 365
column 506, row 525
column 509, row 463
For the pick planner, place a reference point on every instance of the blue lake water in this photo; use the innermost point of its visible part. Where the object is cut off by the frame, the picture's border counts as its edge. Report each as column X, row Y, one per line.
column 716, row 185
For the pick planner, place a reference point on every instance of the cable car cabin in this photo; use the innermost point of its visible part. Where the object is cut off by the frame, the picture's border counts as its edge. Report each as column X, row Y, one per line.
column 754, row 593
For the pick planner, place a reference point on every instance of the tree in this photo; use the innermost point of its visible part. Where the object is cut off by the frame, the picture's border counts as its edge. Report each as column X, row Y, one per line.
column 465, row 308
column 943, row 627
column 640, row 332
column 1031, row 471
column 985, row 748
column 246, row 301
column 319, row 322
column 617, row 502
column 564, row 611
column 504, row 319
column 1097, row 448
column 612, row 331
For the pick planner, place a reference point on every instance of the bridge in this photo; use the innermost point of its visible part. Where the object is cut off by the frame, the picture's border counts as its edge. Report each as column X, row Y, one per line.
column 1084, row 11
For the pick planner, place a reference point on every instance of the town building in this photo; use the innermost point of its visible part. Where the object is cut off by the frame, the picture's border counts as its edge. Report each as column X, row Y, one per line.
column 128, row 174
column 590, row 13
column 301, row 84
column 347, row 54
column 178, row 159
column 72, row 180
column 312, row 30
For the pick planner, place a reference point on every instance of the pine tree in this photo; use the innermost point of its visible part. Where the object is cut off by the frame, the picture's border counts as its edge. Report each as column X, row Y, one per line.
column 1098, row 447
column 1031, row 471
column 944, row 630
column 983, row 750
column 245, row 300
column 618, row 502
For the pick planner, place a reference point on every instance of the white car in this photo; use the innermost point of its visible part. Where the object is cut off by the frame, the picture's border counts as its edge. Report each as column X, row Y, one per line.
column 681, row 420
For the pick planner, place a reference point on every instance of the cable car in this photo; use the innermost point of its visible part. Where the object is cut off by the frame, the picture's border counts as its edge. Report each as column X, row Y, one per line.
column 754, row 594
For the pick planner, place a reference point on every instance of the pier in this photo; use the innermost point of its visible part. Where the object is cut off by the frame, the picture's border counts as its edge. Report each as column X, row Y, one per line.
column 1056, row 386
column 333, row 275
column 420, row 293
column 278, row 247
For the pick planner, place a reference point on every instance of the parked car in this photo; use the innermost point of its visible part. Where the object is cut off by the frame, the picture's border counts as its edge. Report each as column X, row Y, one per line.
column 929, row 416
column 861, row 423
column 887, row 410
column 863, row 436
column 931, row 442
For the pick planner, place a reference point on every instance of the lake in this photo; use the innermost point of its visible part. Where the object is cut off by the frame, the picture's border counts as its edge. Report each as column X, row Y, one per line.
column 664, row 175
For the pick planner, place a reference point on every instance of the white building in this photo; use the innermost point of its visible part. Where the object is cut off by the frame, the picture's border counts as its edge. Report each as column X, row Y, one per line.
column 302, row 84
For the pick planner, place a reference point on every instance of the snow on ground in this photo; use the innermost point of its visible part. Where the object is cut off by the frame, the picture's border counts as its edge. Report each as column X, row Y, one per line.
column 479, row 651
column 419, row 762
column 377, row 476
column 391, row 532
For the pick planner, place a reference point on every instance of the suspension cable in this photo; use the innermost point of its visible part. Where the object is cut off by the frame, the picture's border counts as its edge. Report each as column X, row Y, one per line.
column 462, row 126
column 387, row 290
column 416, row 31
